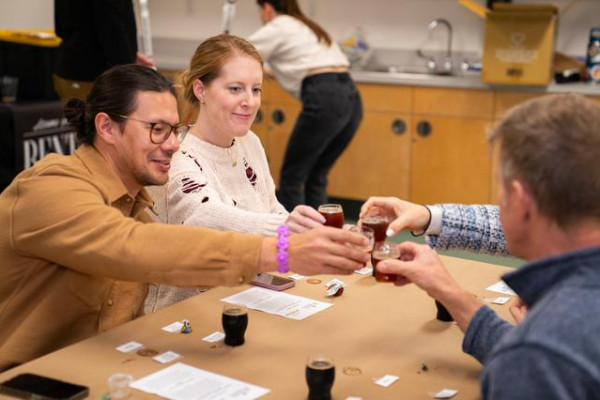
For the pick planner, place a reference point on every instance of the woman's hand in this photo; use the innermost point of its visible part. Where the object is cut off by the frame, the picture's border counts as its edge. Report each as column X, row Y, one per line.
column 304, row 218
column 404, row 215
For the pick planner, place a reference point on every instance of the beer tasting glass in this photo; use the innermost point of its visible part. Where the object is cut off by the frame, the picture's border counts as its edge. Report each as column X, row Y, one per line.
column 379, row 224
column 382, row 252
column 320, row 374
column 235, row 322
column 333, row 214
column 118, row 385
column 366, row 232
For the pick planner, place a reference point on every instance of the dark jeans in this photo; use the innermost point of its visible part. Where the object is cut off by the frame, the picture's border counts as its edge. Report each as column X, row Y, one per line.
column 330, row 116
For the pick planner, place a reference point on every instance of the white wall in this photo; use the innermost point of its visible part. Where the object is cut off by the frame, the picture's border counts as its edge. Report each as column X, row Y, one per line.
column 400, row 24
column 26, row 14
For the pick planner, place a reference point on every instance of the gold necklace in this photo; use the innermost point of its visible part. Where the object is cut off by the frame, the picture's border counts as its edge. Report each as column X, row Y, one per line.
column 233, row 157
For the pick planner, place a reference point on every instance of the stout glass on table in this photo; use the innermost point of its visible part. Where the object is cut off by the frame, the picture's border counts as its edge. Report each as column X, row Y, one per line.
column 235, row 322
column 320, row 374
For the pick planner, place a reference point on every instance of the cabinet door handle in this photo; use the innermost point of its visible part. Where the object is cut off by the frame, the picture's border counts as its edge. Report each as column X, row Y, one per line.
column 424, row 129
column 398, row 127
column 278, row 117
column 259, row 117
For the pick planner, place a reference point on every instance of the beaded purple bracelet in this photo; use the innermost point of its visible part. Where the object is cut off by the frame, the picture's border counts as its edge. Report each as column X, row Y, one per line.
column 282, row 249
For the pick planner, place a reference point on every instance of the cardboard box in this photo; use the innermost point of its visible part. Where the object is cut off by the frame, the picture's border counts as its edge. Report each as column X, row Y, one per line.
column 519, row 44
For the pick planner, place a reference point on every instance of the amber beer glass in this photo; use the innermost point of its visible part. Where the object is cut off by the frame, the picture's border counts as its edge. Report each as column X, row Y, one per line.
column 333, row 214
column 382, row 252
column 235, row 322
column 320, row 374
column 379, row 224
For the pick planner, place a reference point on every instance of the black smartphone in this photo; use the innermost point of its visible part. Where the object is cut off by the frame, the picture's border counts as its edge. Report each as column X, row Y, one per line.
column 273, row 282
column 31, row 386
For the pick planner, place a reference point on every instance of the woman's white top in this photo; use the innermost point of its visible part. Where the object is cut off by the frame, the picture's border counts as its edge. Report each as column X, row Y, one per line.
column 205, row 189
column 292, row 49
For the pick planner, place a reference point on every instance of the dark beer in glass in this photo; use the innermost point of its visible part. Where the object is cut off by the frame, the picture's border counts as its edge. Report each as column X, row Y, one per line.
column 380, row 253
column 320, row 374
column 235, row 322
column 442, row 313
column 333, row 214
column 379, row 224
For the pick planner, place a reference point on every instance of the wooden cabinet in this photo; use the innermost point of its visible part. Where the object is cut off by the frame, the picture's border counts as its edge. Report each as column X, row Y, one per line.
column 424, row 144
column 274, row 123
column 450, row 157
column 377, row 161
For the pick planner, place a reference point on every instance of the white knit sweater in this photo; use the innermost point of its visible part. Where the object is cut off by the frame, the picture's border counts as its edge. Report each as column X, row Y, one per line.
column 205, row 189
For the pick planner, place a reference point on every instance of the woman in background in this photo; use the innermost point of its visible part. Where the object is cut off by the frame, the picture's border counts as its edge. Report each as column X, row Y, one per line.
column 311, row 67
column 220, row 177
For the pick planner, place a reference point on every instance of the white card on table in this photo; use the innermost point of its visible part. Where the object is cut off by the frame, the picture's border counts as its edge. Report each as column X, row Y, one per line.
column 386, row 380
column 445, row 393
column 174, row 327
column 129, row 347
column 501, row 300
column 501, row 287
column 364, row 270
column 166, row 357
column 214, row 337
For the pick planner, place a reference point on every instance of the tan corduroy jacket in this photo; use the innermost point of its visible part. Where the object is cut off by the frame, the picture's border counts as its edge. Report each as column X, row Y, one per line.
column 76, row 252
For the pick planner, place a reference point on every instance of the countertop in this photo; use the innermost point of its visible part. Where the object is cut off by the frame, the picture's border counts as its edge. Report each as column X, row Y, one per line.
column 173, row 54
column 467, row 81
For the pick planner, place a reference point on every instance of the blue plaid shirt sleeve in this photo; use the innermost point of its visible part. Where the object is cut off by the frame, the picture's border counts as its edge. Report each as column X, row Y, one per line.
column 470, row 227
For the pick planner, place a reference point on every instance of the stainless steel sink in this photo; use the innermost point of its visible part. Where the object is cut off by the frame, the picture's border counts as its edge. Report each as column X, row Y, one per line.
column 399, row 69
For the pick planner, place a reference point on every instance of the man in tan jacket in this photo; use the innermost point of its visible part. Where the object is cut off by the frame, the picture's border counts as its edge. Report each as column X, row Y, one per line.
column 77, row 249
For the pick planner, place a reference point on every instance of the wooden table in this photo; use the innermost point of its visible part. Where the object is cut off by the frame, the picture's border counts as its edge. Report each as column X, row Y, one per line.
column 372, row 330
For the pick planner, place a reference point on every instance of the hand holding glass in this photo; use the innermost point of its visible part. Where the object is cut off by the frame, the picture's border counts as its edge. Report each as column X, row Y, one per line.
column 379, row 224
column 382, row 252
column 333, row 214
column 364, row 231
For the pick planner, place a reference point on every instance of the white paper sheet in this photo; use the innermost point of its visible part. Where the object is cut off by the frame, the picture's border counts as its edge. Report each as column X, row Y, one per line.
column 501, row 287
column 184, row 382
column 272, row 302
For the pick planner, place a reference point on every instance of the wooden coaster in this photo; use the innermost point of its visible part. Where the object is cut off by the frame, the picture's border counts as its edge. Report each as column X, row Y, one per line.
column 313, row 281
column 352, row 371
column 147, row 352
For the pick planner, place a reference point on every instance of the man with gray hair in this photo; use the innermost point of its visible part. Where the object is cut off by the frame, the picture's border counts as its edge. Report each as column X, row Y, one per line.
column 549, row 200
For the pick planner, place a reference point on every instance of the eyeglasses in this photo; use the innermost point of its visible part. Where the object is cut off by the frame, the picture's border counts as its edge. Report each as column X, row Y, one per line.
column 160, row 131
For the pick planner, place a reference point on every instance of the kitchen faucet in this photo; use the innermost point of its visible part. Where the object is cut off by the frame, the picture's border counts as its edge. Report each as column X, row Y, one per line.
column 432, row 66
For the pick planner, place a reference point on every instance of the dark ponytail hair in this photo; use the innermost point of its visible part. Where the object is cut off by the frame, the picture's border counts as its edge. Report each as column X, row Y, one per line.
column 291, row 8
column 114, row 93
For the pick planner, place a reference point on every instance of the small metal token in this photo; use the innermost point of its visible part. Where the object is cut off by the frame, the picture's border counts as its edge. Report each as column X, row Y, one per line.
column 352, row 371
column 313, row 281
column 147, row 352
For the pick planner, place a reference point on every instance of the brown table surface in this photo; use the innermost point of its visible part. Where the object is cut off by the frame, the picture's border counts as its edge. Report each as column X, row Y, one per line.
column 374, row 328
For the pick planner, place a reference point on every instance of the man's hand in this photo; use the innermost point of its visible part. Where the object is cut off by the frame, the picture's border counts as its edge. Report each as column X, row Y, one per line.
column 304, row 218
column 421, row 265
column 323, row 250
column 518, row 310
column 404, row 215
